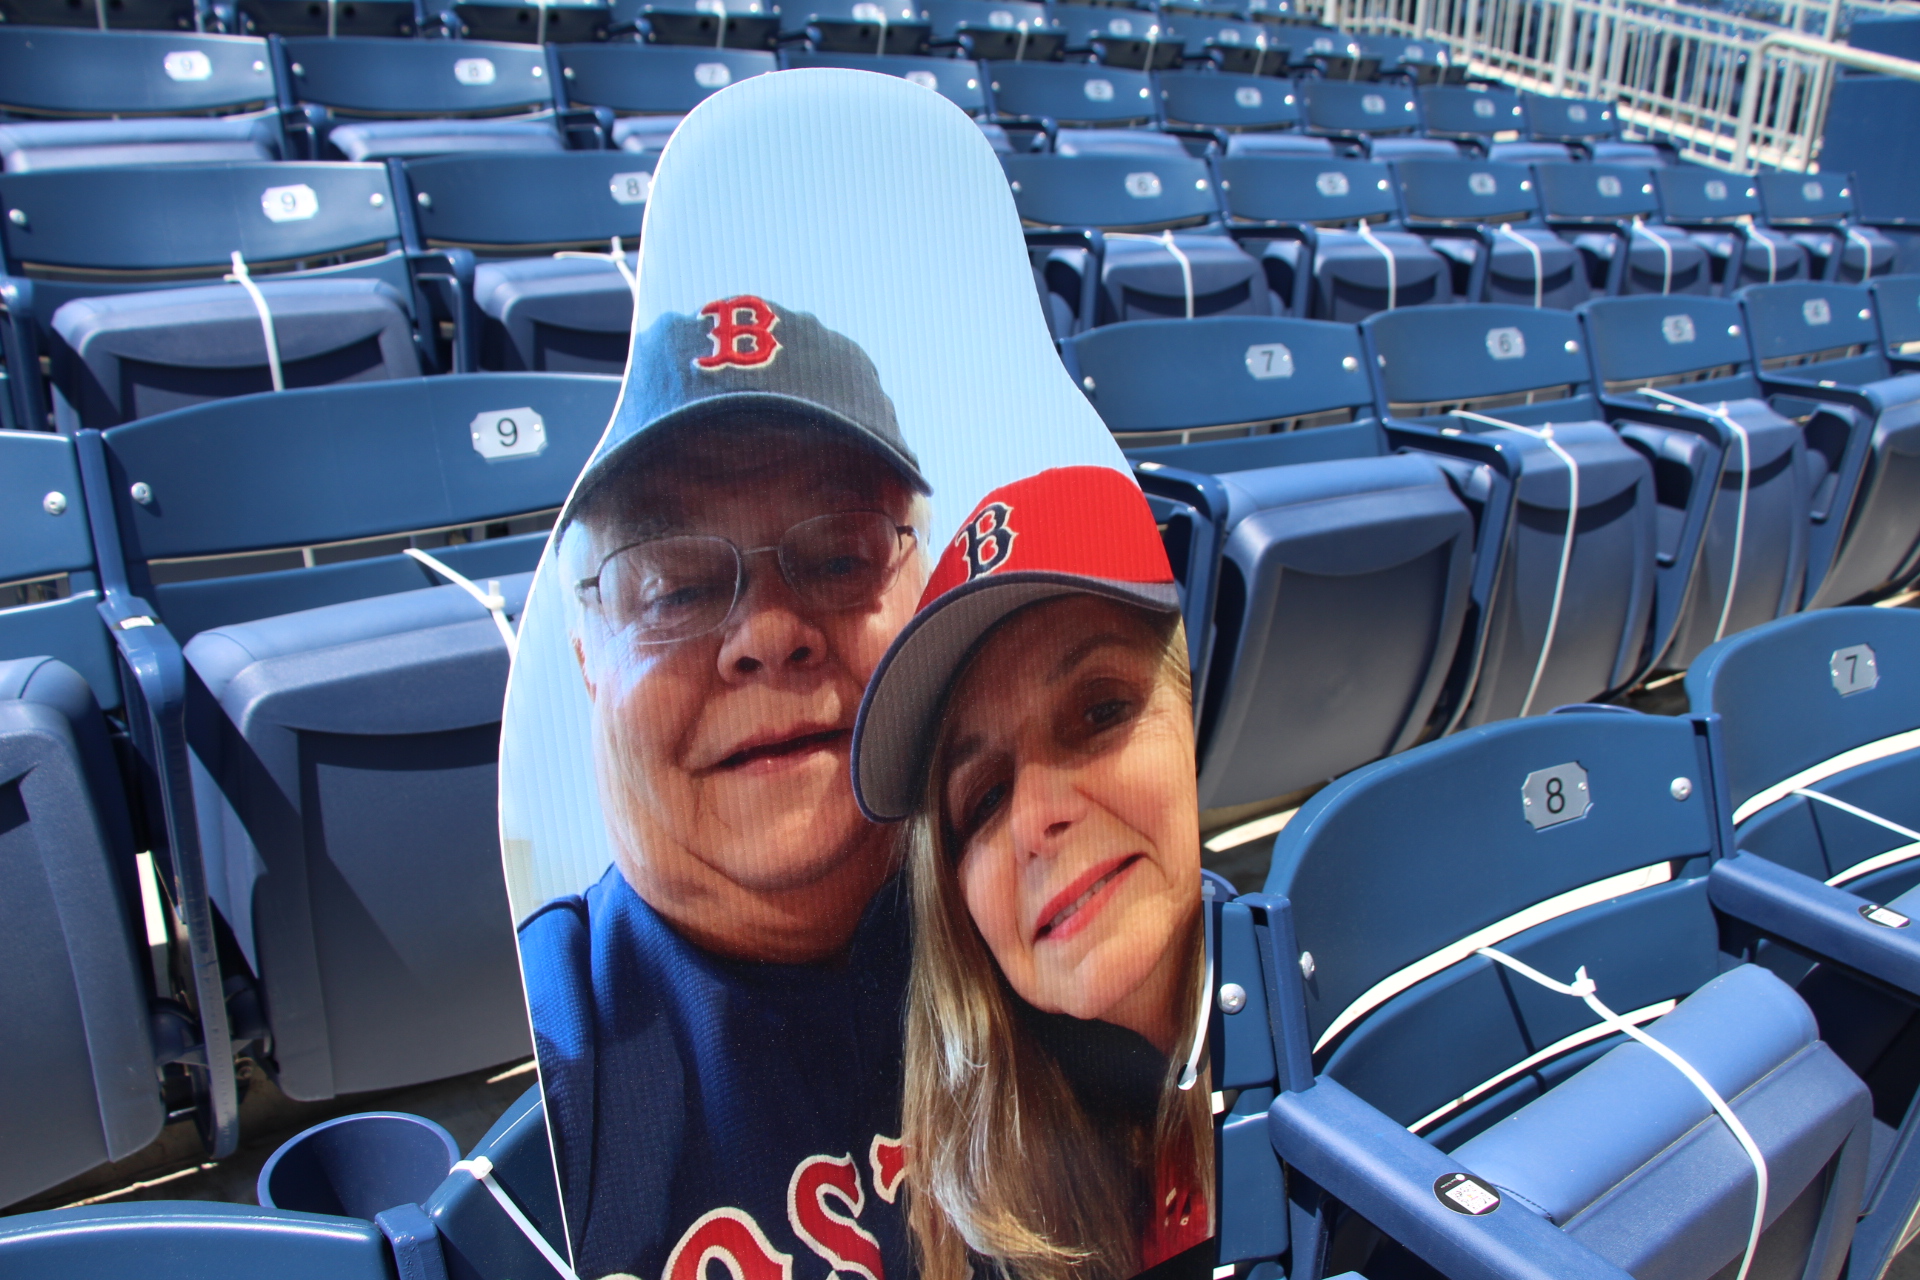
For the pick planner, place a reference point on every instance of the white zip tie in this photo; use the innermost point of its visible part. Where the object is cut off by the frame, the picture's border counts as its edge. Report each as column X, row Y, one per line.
column 1566, row 545
column 1773, row 258
column 1866, row 254
column 1539, row 269
column 1393, row 274
column 1666, row 252
column 1584, row 989
column 1020, row 49
column 491, row 600
column 1851, row 758
column 1879, row 861
column 1740, row 515
column 1190, row 1074
column 240, row 277
column 1165, row 241
column 481, row 1169
column 881, row 50
column 619, row 259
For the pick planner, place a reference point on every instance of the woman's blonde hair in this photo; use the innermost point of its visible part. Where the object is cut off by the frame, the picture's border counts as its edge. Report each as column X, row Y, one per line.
column 1003, row 1162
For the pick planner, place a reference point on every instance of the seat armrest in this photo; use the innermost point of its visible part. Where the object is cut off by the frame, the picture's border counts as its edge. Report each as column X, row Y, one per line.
column 451, row 272
column 20, row 344
column 1368, row 1162
column 1094, row 242
column 1828, row 922
column 1811, row 389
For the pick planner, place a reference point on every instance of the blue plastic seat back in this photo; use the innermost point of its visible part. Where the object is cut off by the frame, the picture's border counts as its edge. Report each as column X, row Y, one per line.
column 848, row 26
column 1806, row 197
column 1693, row 194
column 533, row 200
column 122, row 73
column 1792, row 696
column 1180, row 375
column 1447, row 356
column 1596, row 192
column 1225, row 101
column 1393, row 865
column 1306, row 190
column 1465, row 191
column 372, row 76
column 1455, row 110
column 1076, row 93
column 958, row 80
column 298, row 18
column 44, row 537
column 191, row 1241
column 951, row 17
column 338, row 464
column 1236, row 47
column 1344, row 107
column 1899, row 311
column 1637, row 340
column 1552, row 119
column 1113, row 192
column 1799, row 319
column 551, row 22
column 185, row 220
column 654, row 79
column 1087, row 25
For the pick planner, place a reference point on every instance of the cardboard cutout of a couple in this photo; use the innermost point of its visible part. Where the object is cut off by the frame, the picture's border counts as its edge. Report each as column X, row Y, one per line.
column 847, row 782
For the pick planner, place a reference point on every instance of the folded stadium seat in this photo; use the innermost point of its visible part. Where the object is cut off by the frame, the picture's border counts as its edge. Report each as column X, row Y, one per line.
column 112, row 273
column 1616, row 200
column 342, row 727
column 1721, row 211
column 305, row 18
column 1295, row 214
column 1231, row 45
column 530, row 21
column 640, row 91
column 1333, row 55
column 1571, row 611
column 1379, row 119
column 133, row 15
column 1483, row 215
column 1132, row 38
column 855, row 26
column 156, row 98
column 1338, row 570
column 1069, row 98
column 568, row 310
column 185, row 1239
column 1232, row 107
column 1817, row 210
column 958, row 80
column 742, row 24
column 1117, row 237
column 988, row 30
column 1420, row 62
column 1481, row 116
column 1590, row 126
column 1817, row 712
column 455, row 95
column 1818, row 349
column 1433, row 918
column 1750, row 564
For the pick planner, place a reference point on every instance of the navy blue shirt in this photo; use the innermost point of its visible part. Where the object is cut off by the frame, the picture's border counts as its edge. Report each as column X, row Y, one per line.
column 710, row 1110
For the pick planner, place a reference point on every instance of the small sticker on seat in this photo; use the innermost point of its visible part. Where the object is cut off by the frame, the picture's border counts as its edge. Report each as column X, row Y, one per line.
column 509, row 433
column 1119, row 27
column 1812, row 191
column 1887, row 916
column 188, row 64
column 1143, row 186
column 1247, row 96
column 1506, row 343
column 632, row 188
column 1677, row 329
column 1482, row 184
column 1464, row 1193
column 1854, row 669
column 925, row 79
column 289, row 204
column 1577, row 113
column 1269, row 360
column 1483, row 108
column 1716, row 190
column 1816, row 311
column 1373, row 104
column 1608, row 185
column 1098, row 90
column 1000, row 18
column 474, row 71
column 1333, row 183
column 1549, row 797
column 712, row 75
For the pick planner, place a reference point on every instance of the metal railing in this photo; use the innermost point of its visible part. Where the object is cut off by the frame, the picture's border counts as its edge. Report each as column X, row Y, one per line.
column 1725, row 88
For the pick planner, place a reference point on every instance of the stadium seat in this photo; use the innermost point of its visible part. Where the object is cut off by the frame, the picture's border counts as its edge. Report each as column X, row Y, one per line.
column 1575, row 595
column 1342, row 571
column 1292, row 213
column 1332, row 55
column 1457, row 1109
column 1231, row 105
column 640, row 91
column 1818, row 348
column 1009, row 31
column 114, row 273
column 856, row 26
column 343, row 720
column 152, row 98
column 1897, row 300
column 478, row 1237
column 133, row 15
column 1817, row 712
column 744, row 24
column 1747, row 559
column 1105, row 246
column 570, row 311
column 1473, row 114
column 1379, row 120
column 1230, row 45
column 191, row 1240
column 455, row 95
column 1721, row 211
column 1817, row 210
column 305, row 18
column 1602, row 210
column 1058, row 96
column 1591, row 127
column 1482, row 216
column 959, row 81
column 1114, row 37
column 1420, row 62
column 530, row 21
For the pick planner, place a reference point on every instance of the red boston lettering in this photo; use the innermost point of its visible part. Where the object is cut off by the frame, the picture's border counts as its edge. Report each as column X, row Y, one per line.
column 888, row 1157
column 742, row 333
column 733, row 1239
column 833, row 1235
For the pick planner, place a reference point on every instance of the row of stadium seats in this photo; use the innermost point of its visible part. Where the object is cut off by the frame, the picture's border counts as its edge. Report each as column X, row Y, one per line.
column 1418, row 1063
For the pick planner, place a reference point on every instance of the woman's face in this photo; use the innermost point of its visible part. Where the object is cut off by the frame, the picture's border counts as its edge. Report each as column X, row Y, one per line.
column 1066, row 780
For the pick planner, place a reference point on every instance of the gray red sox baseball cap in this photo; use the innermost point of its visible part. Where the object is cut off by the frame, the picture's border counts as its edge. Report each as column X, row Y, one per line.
column 1064, row 531
column 743, row 360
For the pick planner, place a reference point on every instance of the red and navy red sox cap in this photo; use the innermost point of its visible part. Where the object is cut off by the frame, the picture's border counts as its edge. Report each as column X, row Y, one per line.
column 1063, row 531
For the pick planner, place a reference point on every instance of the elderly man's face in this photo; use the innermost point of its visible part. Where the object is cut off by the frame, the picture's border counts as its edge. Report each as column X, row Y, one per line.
column 723, row 759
